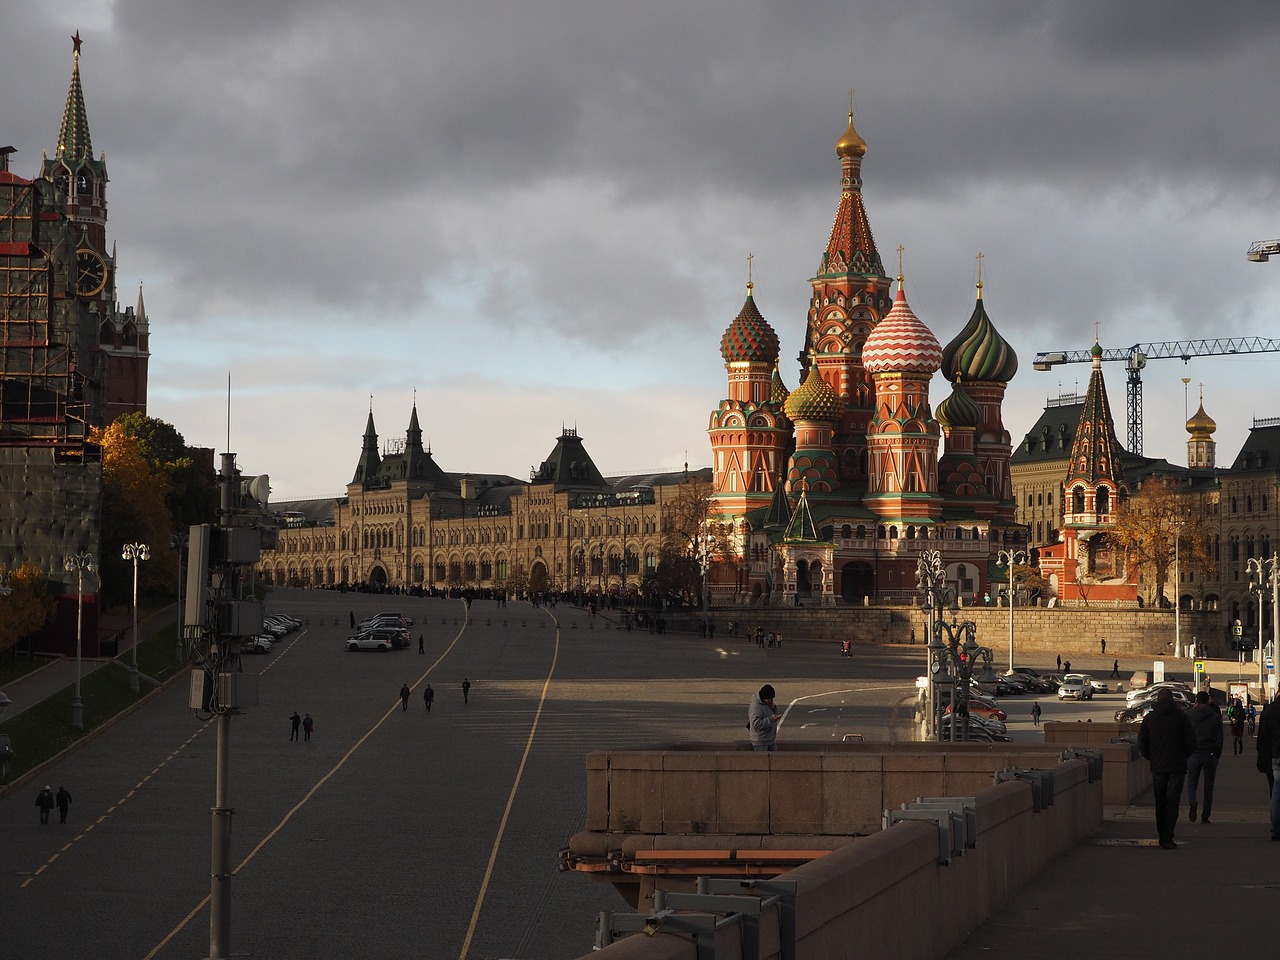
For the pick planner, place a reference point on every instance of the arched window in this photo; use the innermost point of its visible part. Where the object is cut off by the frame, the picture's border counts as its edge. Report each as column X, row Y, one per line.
column 1077, row 500
column 1104, row 500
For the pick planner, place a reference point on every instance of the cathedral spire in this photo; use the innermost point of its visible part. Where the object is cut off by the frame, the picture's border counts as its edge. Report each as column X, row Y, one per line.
column 370, row 462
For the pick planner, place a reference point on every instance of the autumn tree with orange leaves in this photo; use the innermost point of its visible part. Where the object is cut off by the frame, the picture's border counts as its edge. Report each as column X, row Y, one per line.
column 1148, row 525
column 27, row 608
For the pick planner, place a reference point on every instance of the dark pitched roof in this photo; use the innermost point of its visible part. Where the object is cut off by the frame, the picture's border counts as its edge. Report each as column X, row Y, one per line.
column 569, row 466
column 1261, row 448
column 1051, row 437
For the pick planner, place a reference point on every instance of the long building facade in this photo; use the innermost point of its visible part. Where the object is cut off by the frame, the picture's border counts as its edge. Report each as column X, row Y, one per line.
column 405, row 523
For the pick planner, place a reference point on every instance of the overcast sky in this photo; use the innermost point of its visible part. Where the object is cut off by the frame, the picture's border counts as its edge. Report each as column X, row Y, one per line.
column 538, row 214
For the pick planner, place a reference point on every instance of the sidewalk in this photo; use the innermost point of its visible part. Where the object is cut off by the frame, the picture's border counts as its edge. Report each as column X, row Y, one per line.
column 58, row 674
column 1118, row 894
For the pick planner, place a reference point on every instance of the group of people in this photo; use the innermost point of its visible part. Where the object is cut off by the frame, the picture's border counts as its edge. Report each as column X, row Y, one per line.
column 1184, row 748
column 306, row 724
column 46, row 800
column 429, row 695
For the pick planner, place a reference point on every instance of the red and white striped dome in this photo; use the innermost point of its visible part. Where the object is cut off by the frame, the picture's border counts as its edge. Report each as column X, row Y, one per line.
column 901, row 343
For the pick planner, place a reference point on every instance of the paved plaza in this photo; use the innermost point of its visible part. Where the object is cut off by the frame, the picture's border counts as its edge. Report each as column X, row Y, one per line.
column 393, row 833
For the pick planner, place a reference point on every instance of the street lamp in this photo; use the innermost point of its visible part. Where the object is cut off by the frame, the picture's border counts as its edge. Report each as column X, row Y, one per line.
column 952, row 648
column 705, row 562
column 135, row 552
column 1008, row 559
column 1177, row 591
column 1264, row 578
column 80, row 563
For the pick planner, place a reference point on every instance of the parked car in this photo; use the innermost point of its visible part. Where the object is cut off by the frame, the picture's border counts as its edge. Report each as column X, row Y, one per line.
column 1135, row 712
column 285, row 623
column 368, row 641
column 405, row 621
column 977, row 708
column 1177, row 686
column 260, row 644
column 396, row 636
column 1099, row 686
column 1075, row 687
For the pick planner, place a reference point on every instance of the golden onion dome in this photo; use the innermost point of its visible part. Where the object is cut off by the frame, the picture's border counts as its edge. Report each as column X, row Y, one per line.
column 851, row 143
column 1201, row 424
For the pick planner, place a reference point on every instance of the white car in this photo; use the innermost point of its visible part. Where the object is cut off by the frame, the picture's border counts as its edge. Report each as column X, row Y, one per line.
column 368, row 641
column 260, row 644
column 1075, row 687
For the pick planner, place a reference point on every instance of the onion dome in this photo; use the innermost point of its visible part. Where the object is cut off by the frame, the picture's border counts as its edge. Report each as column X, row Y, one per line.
column 815, row 399
column 851, row 143
column 958, row 410
column 1201, row 426
column 978, row 352
column 901, row 343
column 749, row 338
column 779, row 392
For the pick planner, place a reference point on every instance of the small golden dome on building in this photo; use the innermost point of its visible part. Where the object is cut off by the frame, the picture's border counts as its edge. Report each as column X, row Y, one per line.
column 1201, row 424
column 851, row 143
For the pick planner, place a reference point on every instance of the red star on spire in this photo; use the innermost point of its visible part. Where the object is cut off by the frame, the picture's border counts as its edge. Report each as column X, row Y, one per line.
column 75, row 43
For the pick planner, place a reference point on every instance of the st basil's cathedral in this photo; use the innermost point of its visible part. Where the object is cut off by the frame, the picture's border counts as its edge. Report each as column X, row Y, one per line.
column 834, row 490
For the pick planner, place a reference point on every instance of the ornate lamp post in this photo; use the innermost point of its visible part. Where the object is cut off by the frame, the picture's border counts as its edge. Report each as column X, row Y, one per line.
column 80, row 563
column 135, row 552
column 1007, row 560
column 1264, row 578
column 953, row 649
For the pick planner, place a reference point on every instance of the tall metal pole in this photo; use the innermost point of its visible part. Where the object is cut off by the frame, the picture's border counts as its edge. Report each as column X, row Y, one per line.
column 1275, row 616
column 79, row 562
column 1177, row 605
column 179, row 542
column 220, row 854
column 135, row 552
column 1009, row 559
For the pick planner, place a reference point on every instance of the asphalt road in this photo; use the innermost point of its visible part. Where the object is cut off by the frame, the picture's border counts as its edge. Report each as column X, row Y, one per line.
column 401, row 833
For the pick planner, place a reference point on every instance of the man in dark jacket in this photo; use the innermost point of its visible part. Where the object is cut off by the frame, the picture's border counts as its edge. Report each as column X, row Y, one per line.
column 1166, row 740
column 1206, row 721
column 1269, row 758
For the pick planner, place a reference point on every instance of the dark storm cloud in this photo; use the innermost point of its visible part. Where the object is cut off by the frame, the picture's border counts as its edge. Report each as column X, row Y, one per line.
column 590, row 176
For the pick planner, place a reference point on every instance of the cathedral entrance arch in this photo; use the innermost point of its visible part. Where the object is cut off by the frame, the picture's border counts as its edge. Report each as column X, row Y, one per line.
column 857, row 581
column 378, row 577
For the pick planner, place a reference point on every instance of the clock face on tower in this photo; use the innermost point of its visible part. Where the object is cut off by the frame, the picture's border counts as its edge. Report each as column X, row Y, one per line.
column 91, row 272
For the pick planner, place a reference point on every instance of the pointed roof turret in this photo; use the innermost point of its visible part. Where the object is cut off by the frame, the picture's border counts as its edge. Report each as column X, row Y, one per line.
column 851, row 249
column 1096, row 452
column 802, row 529
column 815, row 399
column 370, row 462
column 569, row 466
column 778, row 390
column 74, row 143
column 140, row 311
column 779, row 515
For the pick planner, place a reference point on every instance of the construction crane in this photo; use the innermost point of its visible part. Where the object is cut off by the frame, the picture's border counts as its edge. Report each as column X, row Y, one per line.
column 1260, row 251
column 1136, row 357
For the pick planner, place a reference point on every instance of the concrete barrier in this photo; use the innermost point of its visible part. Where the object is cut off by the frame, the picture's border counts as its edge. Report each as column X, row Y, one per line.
column 883, row 889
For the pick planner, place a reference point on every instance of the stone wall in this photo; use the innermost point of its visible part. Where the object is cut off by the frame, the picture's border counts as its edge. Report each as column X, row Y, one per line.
column 1040, row 633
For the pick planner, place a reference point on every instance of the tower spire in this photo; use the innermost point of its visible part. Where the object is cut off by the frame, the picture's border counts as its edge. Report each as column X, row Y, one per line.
column 74, row 142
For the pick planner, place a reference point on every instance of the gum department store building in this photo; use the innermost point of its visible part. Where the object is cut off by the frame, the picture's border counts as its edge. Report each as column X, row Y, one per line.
column 827, row 493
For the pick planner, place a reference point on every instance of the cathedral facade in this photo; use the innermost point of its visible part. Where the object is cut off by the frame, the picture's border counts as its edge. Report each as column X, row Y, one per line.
column 832, row 492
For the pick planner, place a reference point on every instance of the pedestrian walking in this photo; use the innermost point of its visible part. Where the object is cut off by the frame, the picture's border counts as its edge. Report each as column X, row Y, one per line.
column 1059, row 663
column 1066, row 666
column 1115, row 670
column 63, row 800
column 307, row 726
column 1235, row 716
column 1252, row 716
column 44, row 800
column 1206, row 721
column 763, row 720
column 295, row 722
column 428, row 695
column 1103, row 643
column 404, row 697
column 421, row 641
column 353, row 619
column 1035, row 714
column 466, row 690
column 1166, row 740
column 1269, row 758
